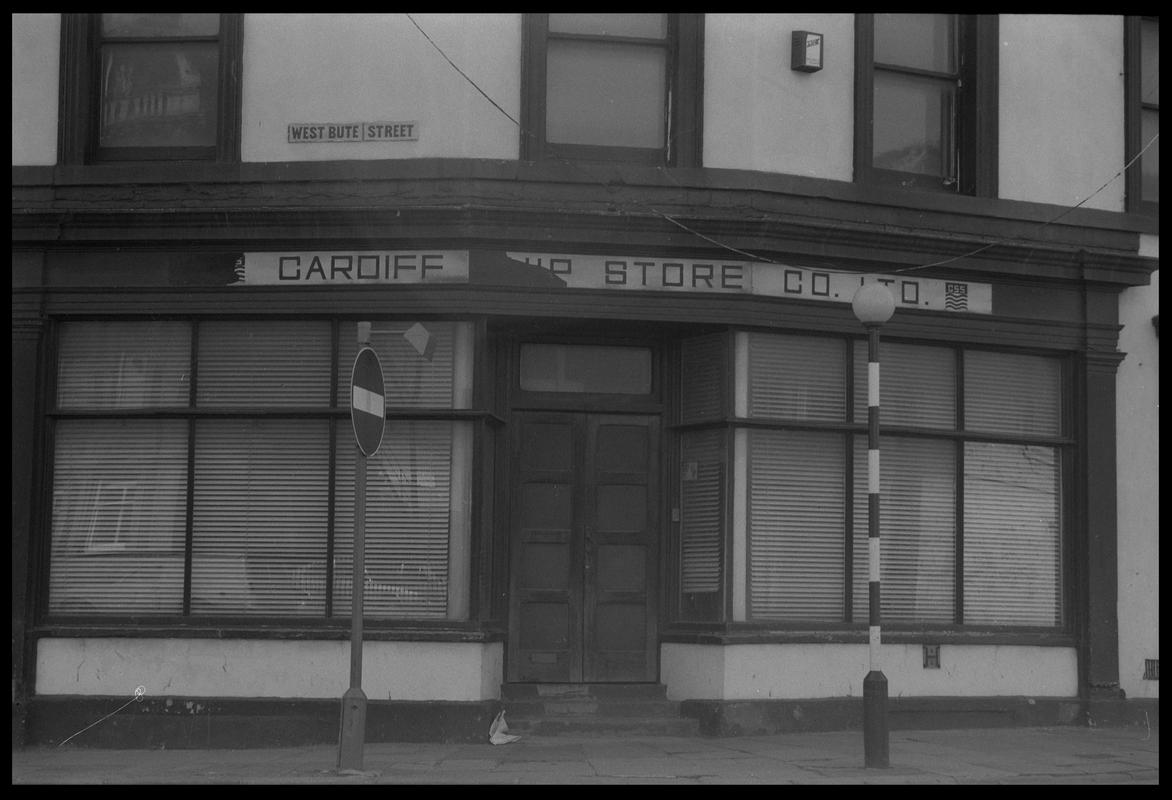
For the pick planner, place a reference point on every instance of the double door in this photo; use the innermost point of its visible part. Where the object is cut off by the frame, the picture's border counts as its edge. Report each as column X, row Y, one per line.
column 583, row 547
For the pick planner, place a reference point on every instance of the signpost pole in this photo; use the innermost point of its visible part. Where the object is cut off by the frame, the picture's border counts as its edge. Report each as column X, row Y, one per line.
column 353, row 734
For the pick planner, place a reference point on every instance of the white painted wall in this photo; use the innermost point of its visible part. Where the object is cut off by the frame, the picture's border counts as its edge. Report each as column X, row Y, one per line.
column 761, row 115
column 268, row 668
column 1061, row 115
column 36, row 65
column 808, row 671
column 1137, row 399
column 379, row 67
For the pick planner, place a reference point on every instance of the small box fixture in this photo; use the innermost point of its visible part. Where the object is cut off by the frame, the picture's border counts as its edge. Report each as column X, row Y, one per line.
column 806, row 52
column 931, row 656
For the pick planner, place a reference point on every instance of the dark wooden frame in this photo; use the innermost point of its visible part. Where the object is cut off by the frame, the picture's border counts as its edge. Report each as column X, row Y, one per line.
column 976, row 135
column 77, row 138
column 684, row 96
column 334, row 414
column 1133, row 116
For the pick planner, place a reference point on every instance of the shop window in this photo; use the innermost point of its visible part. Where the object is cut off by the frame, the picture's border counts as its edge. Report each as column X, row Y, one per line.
column 926, row 101
column 1142, row 38
column 144, row 87
column 220, row 482
column 612, row 87
column 974, row 456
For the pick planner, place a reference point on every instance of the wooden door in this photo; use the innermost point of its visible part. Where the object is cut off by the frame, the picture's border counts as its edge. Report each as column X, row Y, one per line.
column 584, row 548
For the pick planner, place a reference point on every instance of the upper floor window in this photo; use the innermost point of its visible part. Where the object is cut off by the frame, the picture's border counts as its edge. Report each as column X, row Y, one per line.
column 150, row 87
column 921, row 83
column 1143, row 113
column 612, row 87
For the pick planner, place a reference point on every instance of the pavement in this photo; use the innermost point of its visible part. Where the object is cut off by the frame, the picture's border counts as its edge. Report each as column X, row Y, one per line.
column 1058, row 755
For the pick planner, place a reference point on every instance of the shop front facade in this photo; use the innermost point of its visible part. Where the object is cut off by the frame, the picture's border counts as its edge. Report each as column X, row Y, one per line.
column 617, row 450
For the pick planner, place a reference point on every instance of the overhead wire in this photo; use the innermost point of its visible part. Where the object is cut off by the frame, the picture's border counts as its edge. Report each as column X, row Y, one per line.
column 746, row 253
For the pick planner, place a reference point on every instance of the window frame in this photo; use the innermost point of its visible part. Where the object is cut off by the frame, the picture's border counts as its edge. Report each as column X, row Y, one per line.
column 976, row 135
column 467, row 410
column 958, row 435
column 80, row 105
column 1133, row 115
column 683, row 96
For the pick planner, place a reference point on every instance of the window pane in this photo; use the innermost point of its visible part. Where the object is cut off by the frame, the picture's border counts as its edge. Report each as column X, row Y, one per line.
column 703, row 377
column 652, row 26
column 798, row 377
column 1150, row 161
column 604, row 94
column 264, row 363
column 160, row 24
column 797, row 524
column 411, row 514
column 425, row 364
column 106, row 365
column 917, row 385
column 584, row 369
column 923, row 41
column 261, row 492
column 1012, row 394
column 1150, row 62
column 701, row 522
column 917, row 530
column 119, row 517
column 913, row 124
column 159, row 95
column 1012, row 540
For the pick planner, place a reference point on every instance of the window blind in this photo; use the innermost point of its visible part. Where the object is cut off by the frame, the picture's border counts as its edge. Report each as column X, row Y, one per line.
column 797, row 519
column 260, row 514
column 702, row 511
column 418, row 360
column 109, row 365
column 119, row 516
column 917, row 526
column 1012, row 541
column 703, row 377
column 1012, row 394
column 253, row 363
column 798, row 377
column 917, row 385
column 408, row 521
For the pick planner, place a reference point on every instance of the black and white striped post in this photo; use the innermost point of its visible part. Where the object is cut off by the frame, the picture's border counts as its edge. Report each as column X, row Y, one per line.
column 873, row 305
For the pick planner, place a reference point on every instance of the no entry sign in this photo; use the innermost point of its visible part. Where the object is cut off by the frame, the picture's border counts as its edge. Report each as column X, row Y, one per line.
column 367, row 401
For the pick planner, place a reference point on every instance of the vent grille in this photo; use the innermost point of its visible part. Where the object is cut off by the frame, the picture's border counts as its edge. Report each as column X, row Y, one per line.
column 1151, row 669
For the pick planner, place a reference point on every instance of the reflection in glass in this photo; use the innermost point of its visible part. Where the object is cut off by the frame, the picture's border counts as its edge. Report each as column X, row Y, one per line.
column 159, row 95
column 150, row 25
column 584, row 369
column 651, row 26
column 913, row 124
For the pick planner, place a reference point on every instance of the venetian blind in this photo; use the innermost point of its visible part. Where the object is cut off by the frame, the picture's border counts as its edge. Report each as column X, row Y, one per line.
column 260, row 515
column 1012, row 394
column 418, row 360
column 702, row 510
column 796, row 377
column 1012, row 541
column 407, row 523
column 106, row 365
column 703, row 377
column 797, row 525
column 917, row 385
column 264, row 364
column 119, row 515
column 917, row 527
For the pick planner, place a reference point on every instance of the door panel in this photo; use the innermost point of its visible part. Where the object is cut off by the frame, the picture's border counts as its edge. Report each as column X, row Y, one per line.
column 584, row 548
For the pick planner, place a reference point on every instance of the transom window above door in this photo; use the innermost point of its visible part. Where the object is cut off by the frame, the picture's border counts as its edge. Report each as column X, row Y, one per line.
column 585, row 369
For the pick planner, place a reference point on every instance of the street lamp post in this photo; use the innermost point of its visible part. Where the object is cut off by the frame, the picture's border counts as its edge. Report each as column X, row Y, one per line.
column 873, row 305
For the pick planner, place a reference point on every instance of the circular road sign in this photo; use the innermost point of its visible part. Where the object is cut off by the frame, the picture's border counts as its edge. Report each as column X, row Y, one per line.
column 367, row 401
